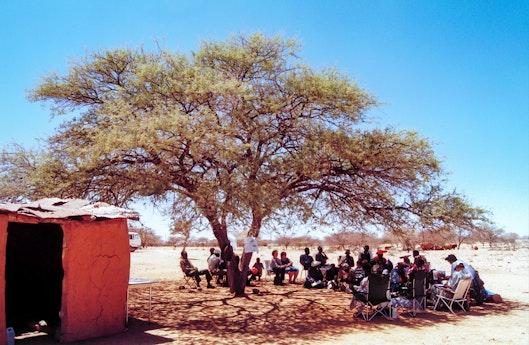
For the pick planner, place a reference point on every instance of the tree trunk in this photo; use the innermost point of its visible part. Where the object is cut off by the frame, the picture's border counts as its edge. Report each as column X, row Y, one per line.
column 237, row 271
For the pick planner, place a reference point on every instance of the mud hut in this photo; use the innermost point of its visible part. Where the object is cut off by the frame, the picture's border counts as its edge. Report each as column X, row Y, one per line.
column 65, row 262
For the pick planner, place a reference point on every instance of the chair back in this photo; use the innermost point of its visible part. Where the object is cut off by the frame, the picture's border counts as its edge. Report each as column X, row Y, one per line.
column 267, row 266
column 462, row 288
column 378, row 289
column 419, row 284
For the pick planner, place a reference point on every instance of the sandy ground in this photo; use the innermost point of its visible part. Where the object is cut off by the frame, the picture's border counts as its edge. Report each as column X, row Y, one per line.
column 294, row 315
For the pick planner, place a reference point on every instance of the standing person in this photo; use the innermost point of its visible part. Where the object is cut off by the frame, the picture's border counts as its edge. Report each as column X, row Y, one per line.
column 306, row 259
column 452, row 259
column 292, row 270
column 321, row 256
column 365, row 254
column 278, row 268
column 478, row 291
column 192, row 271
column 348, row 259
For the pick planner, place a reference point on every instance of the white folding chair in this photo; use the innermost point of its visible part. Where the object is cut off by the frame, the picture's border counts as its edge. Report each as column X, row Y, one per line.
column 269, row 271
column 451, row 298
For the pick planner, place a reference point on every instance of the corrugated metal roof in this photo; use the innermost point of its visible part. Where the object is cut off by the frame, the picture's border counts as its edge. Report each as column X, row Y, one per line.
column 55, row 208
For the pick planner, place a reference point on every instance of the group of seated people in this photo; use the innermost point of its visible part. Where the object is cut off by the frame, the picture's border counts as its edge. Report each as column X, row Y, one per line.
column 216, row 268
column 347, row 275
column 344, row 275
column 353, row 278
column 403, row 274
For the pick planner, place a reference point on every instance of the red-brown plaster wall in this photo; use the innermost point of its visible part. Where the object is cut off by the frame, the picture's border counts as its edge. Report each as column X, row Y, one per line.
column 96, row 262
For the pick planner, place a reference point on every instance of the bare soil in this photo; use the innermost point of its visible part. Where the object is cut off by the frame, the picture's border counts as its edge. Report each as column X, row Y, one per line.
column 292, row 315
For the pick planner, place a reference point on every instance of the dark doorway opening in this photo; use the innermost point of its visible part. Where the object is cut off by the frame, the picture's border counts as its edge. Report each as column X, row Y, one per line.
column 33, row 276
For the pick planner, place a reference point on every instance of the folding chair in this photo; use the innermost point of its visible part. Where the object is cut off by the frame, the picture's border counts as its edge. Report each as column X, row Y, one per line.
column 378, row 298
column 417, row 293
column 451, row 298
column 269, row 271
column 190, row 281
column 303, row 274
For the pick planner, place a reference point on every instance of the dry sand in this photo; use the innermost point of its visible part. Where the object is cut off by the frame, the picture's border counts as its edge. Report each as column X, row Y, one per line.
column 294, row 315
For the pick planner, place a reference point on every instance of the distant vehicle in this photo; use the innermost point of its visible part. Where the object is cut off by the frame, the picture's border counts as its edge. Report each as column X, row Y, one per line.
column 134, row 240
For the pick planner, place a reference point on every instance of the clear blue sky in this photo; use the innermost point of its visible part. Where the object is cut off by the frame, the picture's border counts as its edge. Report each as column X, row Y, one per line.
column 455, row 71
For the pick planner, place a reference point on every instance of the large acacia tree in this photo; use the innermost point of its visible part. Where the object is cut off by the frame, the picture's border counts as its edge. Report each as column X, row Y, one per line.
column 239, row 131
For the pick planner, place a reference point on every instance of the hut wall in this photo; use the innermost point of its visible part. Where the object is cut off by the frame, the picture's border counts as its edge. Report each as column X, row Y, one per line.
column 96, row 262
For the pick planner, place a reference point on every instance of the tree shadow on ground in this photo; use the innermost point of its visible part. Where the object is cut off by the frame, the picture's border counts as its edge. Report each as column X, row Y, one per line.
column 278, row 314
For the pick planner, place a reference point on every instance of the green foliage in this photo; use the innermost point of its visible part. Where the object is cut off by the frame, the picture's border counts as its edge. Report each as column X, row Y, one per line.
column 240, row 131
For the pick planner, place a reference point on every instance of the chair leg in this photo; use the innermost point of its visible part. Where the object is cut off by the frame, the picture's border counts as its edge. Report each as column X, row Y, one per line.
column 190, row 282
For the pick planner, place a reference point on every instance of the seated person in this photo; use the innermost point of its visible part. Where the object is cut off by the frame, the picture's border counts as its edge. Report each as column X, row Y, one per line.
column 417, row 256
column 331, row 276
column 360, row 291
column 216, row 265
column 419, row 265
column 346, row 278
column 257, row 270
column 292, row 270
column 278, row 268
column 380, row 260
column 191, row 271
column 314, row 276
column 459, row 274
column 360, row 271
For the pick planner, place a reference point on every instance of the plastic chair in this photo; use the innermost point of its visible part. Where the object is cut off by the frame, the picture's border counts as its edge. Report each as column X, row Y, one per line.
column 303, row 274
column 451, row 298
column 268, row 269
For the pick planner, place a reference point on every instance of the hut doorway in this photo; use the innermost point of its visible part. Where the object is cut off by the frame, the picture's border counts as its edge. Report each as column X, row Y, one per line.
column 33, row 276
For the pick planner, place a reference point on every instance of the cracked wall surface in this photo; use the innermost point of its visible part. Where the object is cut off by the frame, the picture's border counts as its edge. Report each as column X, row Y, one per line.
column 96, row 262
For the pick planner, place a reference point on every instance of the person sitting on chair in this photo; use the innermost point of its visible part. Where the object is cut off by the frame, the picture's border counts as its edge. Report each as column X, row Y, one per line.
column 192, row 271
column 216, row 265
column 289, row 268
column 380, row 260
column 419, row 265
column 459, row 274
column 346, row 278
column 331, row 277
column 417, row 256
column 360, row 291
column 314, row 276
column 278, row 268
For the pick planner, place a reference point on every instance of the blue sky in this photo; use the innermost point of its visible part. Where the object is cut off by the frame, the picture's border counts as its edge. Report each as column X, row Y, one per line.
column 455, row 71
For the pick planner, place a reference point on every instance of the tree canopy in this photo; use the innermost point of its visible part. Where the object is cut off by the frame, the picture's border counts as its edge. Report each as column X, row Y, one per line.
column 239, row 132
